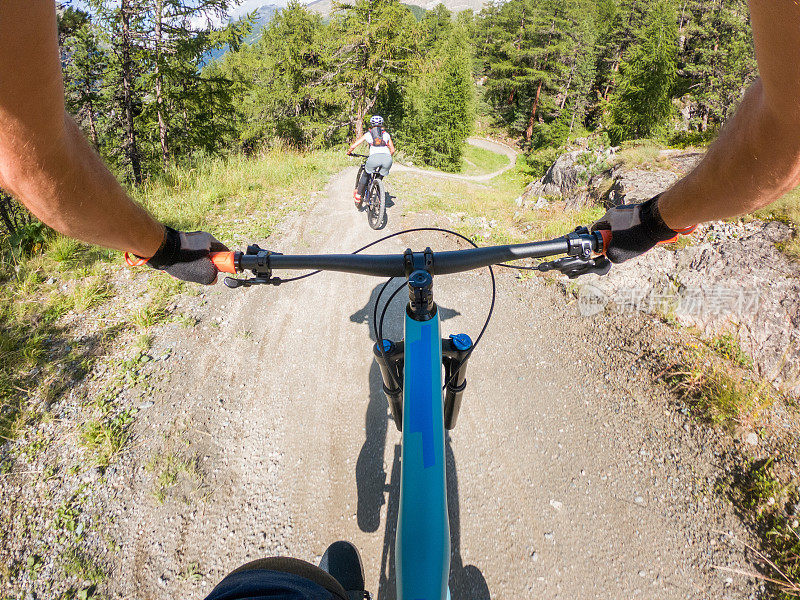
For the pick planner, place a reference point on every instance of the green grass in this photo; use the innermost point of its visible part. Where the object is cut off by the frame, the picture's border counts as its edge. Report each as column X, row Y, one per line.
column 105, row 437
column 91, row 293
column 468, row 202
column 641, row 153
column 77, row 564
column 239, row 196
column 764, row 495
column 706, row 377
column 238, row 199
column 727, row 346
column 192, row 572
column 169, row 469
column 479, row 161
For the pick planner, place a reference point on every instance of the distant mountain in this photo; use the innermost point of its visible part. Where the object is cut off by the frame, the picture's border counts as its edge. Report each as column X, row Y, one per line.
column 263, row 15
column 325, row 7
column 265, row 12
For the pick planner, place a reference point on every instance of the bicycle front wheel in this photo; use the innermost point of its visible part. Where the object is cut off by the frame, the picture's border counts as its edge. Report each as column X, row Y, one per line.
column 377, row 205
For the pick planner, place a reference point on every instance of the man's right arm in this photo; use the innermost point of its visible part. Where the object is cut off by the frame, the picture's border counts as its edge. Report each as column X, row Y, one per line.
column 756, row 158
column 754, row 161
column 46, row 161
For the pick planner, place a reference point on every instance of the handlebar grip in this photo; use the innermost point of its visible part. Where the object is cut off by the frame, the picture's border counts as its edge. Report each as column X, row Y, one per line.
column 224, row 261
column 606, row 235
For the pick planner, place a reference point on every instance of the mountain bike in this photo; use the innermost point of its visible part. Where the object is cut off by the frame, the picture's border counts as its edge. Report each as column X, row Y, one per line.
column 374, row 199
column 423, row 401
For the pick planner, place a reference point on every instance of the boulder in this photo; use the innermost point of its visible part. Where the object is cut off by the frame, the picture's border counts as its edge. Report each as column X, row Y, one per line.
column 638, row 185
column 566, row 178
column 733, row 279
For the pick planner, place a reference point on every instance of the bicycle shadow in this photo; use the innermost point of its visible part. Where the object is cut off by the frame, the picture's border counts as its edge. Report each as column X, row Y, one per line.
column 371, row 477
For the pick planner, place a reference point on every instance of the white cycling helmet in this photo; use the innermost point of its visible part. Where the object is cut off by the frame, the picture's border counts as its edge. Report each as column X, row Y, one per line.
column 376, row 121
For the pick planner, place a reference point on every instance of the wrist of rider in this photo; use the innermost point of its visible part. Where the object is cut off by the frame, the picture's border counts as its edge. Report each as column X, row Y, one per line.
column 654, row 224
column 137, row 260
column 168, row 251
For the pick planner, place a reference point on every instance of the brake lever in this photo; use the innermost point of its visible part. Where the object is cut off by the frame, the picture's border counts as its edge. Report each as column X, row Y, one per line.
column 574, row 266
column 232, row 282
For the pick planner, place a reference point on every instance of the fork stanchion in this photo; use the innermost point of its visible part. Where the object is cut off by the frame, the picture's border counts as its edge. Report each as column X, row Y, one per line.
column 390, row 362
column 455, row 354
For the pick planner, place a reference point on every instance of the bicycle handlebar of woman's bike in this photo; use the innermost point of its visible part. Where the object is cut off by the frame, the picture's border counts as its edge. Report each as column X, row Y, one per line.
column 581, row 244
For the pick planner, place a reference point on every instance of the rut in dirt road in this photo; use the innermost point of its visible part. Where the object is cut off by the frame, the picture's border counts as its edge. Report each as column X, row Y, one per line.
column 565, row 479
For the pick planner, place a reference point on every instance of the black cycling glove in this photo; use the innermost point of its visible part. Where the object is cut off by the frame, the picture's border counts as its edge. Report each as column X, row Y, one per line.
column 185, row 255
column 635, row 228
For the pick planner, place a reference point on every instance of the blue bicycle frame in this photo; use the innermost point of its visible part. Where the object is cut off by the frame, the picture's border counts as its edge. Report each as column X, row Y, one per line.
column 422, row 548
column 423, row 529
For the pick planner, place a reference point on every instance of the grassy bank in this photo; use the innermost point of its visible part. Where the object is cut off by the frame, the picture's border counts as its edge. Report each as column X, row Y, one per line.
column 75, row 333
column 479, row 161
column 236, row 199
column 487, row 212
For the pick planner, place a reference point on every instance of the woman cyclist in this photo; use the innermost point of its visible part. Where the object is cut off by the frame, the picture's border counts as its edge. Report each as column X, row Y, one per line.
column 381, row 150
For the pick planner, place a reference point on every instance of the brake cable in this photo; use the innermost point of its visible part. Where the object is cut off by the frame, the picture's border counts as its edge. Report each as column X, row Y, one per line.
column 378, row 323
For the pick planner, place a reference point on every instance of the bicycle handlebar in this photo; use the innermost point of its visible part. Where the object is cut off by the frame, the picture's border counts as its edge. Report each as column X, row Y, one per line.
column 581, row 244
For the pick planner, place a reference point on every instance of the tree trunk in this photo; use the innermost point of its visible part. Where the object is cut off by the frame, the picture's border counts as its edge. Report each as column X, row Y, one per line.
column 93, row 128
column 162, row 124
column 132, row 149
column 532, row 120
column 569, row 84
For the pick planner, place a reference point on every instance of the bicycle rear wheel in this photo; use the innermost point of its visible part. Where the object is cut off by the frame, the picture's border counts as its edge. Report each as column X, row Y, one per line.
column 376, row 215
column 360, row 205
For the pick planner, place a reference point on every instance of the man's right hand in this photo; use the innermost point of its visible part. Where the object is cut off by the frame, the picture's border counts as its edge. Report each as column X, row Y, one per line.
column 185, row 256
column 635, row 229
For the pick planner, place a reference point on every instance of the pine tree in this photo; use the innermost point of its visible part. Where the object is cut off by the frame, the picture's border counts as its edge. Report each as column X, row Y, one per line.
column 121, row 24
column 284, row 82
column 83, row 78
column 441, row 106
column 378, row 49
column 717, row 57
column 643, row 98
column 177, row 39
column 534, row 60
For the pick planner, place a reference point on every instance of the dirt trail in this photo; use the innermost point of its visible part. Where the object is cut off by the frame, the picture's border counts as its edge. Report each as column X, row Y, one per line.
column 486, row 144
column 565, row 480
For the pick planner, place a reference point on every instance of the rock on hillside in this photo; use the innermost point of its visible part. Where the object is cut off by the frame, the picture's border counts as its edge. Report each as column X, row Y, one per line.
column 567, row 178
column 733, row 279
column 730, row 278
column 583, row 176
column 637, row 184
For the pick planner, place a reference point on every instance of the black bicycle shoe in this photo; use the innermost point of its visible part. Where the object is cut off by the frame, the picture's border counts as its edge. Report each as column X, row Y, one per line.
column 343, row 561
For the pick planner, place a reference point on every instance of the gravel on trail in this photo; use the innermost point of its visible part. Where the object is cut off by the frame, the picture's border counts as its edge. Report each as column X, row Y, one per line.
column 570, row 475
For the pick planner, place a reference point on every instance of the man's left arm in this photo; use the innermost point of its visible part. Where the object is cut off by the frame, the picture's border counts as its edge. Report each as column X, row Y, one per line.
column 45, row 160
